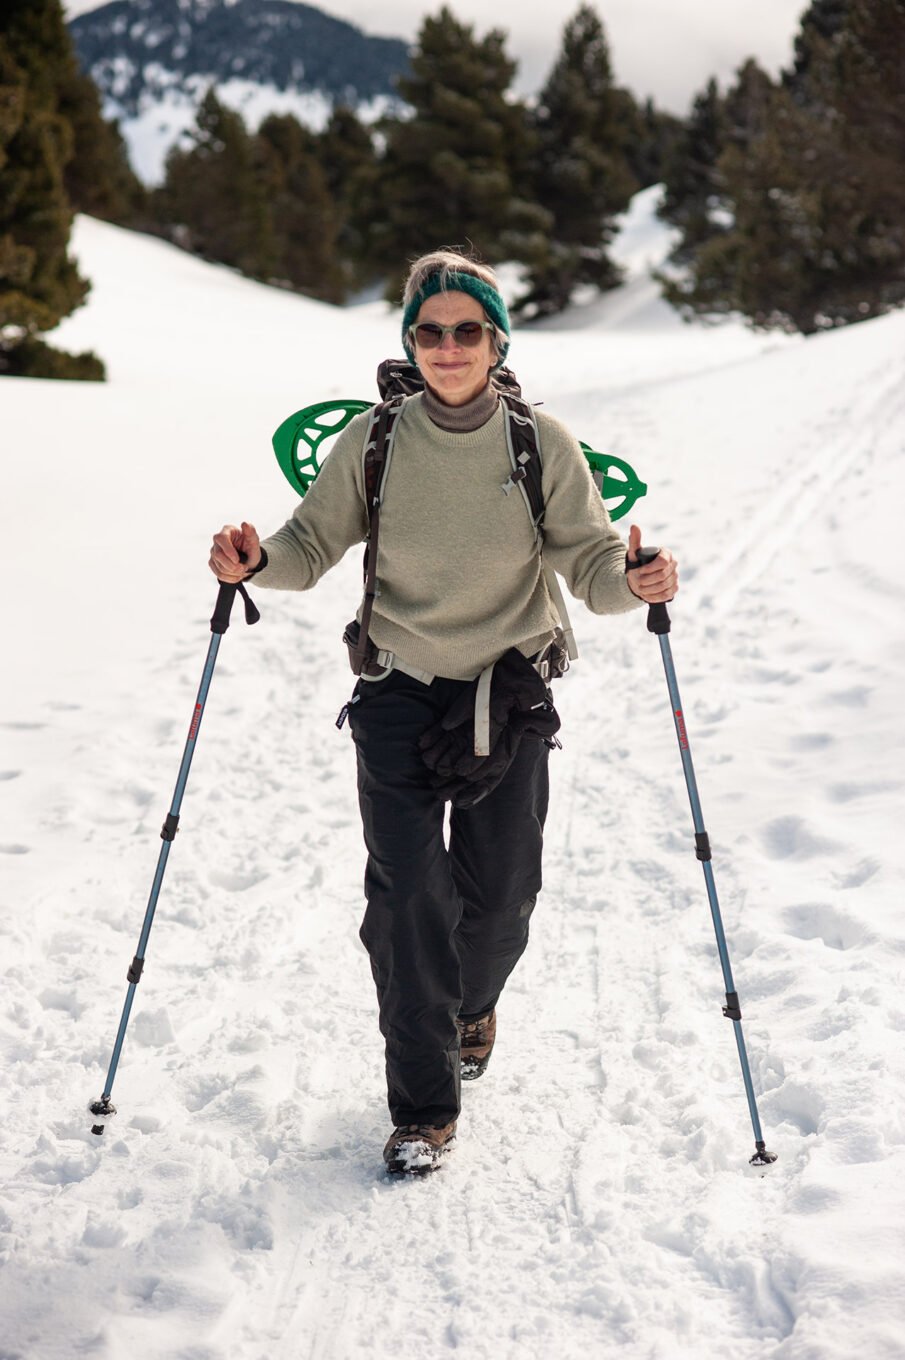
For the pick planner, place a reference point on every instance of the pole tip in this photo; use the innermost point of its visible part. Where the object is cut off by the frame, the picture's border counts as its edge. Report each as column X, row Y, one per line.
column 762, row 1157
column 103, row 1110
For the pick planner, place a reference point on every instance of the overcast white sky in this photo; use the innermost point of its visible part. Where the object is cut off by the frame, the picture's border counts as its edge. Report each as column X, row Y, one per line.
column 665, row 48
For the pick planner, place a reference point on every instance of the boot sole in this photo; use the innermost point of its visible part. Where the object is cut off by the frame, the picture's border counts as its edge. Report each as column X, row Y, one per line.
column 472, row 1068
column 403, row 1166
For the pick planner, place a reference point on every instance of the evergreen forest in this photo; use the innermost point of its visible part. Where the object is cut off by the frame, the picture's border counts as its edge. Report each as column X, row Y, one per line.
column 787, row 194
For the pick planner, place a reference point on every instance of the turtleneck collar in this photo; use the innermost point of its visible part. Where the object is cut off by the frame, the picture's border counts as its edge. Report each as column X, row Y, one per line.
column 461, row 419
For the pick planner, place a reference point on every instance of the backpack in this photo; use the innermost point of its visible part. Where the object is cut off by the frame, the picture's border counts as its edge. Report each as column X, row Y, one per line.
column 398, row 380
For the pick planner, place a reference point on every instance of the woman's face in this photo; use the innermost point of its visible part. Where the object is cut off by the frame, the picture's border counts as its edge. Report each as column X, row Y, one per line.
column 455, row 372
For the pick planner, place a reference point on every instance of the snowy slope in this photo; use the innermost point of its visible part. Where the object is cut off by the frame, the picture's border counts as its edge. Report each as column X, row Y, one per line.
column 599, row 1202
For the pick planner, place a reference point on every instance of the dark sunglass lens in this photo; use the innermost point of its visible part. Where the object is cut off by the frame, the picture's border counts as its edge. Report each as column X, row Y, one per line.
column 469, row 333
column 428, row 336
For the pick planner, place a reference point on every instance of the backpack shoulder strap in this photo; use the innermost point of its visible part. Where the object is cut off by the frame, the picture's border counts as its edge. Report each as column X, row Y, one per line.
column 377, row 448
column 523, row 440
column 376, row 453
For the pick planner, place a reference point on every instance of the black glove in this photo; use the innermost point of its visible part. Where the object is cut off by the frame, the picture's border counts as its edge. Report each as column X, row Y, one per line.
column 520, row 705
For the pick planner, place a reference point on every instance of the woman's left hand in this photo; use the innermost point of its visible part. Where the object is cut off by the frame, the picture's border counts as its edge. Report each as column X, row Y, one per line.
column 659, row 580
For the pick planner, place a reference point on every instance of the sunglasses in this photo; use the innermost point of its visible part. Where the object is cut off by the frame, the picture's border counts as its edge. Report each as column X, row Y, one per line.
column 467, row 333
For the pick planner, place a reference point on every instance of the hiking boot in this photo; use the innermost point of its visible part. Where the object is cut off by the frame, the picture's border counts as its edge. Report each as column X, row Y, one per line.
column 477, row 1038
column 417, row 1149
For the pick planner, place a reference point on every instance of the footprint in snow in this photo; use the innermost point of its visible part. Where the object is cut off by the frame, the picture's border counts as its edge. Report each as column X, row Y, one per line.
column 252, row 1042
column 247, row 1225
column 820, row 921
column 792, row 1103
column 55, row 999
column 648, row 1055
column 145, row 1123
column 792, row 838
column 814, row 1199
column 237, row 882
column 202, row 1090
column 14, row 848
column 856, row 697
column 102, row 1232
column 64, row 1170
column 831, row 1024
column 847, row 793
column 708, row 716
column 152, row 1029
column 650, row 871
column 767, row 676
column 858, row 875
column 811, row 741
column 138, row 794
column 858, row 1139
column 9, row 774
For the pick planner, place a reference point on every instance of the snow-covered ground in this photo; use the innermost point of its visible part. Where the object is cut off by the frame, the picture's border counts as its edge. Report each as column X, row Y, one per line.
column 600, row 1201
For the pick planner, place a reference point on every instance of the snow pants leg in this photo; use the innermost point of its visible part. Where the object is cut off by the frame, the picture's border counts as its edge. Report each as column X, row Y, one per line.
column 443, row 927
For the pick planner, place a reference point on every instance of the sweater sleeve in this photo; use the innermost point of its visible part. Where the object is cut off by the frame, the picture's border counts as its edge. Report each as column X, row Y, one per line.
column 580, row 542
column 326, row 523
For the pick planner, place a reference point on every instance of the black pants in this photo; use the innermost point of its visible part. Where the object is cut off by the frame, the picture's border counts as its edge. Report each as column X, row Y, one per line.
column 443, row 928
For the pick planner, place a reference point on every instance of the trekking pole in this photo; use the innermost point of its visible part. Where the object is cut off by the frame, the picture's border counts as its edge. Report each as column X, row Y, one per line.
column 104, row 1109
column 658, row 622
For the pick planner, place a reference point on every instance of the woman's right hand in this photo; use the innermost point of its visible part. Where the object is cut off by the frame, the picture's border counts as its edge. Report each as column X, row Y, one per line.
column 224, row 559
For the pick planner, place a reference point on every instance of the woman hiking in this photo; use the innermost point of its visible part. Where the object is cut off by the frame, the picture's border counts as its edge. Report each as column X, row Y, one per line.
column 448, row 658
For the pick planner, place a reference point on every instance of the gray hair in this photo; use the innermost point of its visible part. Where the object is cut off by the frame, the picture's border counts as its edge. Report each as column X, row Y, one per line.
column 443, row 263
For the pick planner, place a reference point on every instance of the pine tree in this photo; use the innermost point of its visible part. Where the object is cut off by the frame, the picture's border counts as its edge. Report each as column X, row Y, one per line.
column 740, row 257
column 585, row 130
column 16, row 261
column 812, row 180
column 214, row 196
column 653, row 144
column 747, row 108
column 692, row 187
column 344, row 148
column 303, row 211
column 347, row 155
column 746, row 266
column 820, row 23
column 98, row 177
column 39, row 282
column 865, row 196
column 578, row 178
column 451, row 171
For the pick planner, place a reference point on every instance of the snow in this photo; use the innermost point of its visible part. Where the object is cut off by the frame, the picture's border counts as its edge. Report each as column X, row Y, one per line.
column 599, row 1200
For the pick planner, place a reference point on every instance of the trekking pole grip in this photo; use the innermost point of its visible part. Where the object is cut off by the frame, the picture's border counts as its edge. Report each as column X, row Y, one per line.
column 226, row 597
column 658, row 620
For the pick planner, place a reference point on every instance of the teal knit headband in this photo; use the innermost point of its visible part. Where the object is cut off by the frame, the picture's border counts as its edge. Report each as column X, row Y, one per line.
column 488, row 297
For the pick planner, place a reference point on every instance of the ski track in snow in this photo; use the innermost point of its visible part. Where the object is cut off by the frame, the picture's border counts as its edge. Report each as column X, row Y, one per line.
column 599, row 1201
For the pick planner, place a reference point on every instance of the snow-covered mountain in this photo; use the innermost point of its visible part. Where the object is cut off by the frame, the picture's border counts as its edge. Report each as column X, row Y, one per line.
column 154, row 59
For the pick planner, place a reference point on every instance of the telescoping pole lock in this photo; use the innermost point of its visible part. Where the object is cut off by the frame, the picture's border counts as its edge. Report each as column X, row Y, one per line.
column 104, row 1109
column 658, row 622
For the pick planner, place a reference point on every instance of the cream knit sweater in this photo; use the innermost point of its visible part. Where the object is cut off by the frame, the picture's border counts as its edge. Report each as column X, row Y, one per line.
column 460, row 579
